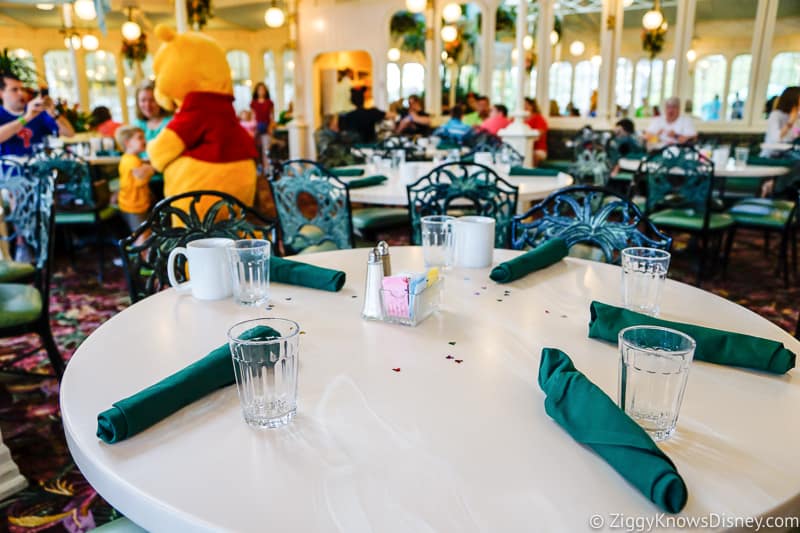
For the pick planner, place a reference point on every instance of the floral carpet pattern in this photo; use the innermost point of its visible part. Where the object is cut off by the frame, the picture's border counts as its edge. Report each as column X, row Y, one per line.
column 58, row 498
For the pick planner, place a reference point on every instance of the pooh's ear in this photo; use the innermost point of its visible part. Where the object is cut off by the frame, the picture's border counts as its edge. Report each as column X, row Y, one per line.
column 165, row 33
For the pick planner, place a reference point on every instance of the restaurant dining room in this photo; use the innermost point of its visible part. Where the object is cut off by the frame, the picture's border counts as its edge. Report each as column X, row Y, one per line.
column 399, row 265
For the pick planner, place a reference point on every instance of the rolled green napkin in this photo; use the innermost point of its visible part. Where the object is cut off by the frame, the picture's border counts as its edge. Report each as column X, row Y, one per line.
column 366, row 182
column 713, row 345
column 594, row 420
column 147, row 407
column 305, row 275
column 447, row 146
column 347, row 172
column 540, row 257
column 524, row 171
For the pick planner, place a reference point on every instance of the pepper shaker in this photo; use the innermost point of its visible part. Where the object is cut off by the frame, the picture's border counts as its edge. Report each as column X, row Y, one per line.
column 383, row 253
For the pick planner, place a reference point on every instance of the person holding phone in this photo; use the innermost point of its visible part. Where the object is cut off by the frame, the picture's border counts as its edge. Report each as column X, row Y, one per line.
column 23, row 126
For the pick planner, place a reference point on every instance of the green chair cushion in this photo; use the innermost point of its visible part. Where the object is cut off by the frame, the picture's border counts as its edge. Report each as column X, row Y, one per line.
column 13, row 271
column 762, row 213
column 373, row 218
column 623, row 176
column 691, row 220
column 771, row 161
column 749, row 185
column 85, row 217
column 557, row 164
column 19, row 304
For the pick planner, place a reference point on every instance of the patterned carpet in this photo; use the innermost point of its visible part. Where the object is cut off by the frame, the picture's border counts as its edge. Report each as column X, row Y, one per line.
column 59, row 498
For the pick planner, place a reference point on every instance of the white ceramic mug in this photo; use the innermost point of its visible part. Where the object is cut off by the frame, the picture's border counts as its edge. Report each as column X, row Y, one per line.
column 408, row 173
column 473, row 241
column 209, row 268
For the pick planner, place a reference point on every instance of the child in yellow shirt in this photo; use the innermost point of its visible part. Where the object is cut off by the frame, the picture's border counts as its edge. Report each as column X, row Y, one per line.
column 134, row 177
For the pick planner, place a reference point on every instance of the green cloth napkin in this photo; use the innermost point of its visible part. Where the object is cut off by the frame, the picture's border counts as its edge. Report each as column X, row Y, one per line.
column 772, row 161
column 147, row 407
column 447, row 146
column 295, row 273
column 347, row 172
column 366, row 182
column 540, row 257
column 713, row 345
column 524, row 171
column 594, row 420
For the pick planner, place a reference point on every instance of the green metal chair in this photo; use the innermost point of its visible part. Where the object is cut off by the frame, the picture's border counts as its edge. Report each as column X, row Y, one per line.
column 25, row 307
column 313, row 205
column 680, row 183
column 77, row 202
column 587, row 218
column 168, row 226
column 17, row 227
column 455, row 187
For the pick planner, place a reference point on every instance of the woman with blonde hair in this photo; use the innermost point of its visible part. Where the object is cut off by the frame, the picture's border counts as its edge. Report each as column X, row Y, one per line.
column 150, row 116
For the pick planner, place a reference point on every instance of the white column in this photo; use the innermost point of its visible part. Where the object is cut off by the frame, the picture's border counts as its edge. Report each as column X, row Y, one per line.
column 684, row 30
column 487, row 48
column 760, row 63
column 436, row 60
column 544, row 51
column 298, row 129
column 610, row 43
column 431, row 58
column 518, row 134
column 181, row 19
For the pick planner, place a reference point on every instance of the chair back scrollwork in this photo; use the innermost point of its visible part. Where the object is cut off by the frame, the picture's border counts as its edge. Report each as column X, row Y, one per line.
column 678, row 177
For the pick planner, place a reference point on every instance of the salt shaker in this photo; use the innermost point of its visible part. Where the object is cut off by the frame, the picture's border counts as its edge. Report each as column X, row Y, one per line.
column 372, row 309
column 383, row 253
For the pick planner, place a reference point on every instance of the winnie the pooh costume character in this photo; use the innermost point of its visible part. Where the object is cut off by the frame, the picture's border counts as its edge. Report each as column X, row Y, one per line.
column 203, row 147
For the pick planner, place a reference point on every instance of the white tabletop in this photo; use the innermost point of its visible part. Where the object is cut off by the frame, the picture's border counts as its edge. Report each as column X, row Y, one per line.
column 776, row 147
column 438, row 446
column 393, row 190
column 728, row 171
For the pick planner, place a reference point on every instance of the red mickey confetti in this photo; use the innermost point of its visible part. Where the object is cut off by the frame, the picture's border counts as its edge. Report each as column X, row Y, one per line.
column 449, row 357
column 396, row 369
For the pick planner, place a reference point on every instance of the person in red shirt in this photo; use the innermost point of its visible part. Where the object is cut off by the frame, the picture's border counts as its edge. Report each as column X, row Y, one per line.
column 263, row 108
column 537, row 122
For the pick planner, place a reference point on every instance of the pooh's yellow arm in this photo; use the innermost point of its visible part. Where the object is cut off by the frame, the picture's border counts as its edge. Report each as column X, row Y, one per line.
column 164, row 149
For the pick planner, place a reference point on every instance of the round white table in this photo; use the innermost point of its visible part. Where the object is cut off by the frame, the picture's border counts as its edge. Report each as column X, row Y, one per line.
column 776, row 147
column 393, row 190
column 728, row 171
column 393, row 436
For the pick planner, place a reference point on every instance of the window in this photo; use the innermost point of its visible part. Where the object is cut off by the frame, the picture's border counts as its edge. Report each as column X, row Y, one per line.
column 393, row 88
column 669, row 78
column 413, row 79
column 269, row 73
column 58, row 71
column 709, row 83
column 784, row 73
column 587, row 76
column 288, row 77
column 135, row 73
column 737, row 91
column 656, row 81
column 461, row 55
column 560, row 85
column 239, row 62
column 624, row 86
column 101, row 75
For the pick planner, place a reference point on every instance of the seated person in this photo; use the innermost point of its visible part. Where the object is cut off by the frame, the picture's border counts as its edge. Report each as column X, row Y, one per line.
column 537, row 122
column 417, row 121
column 361, row 121
column 781, row 127
column 671, row 127
column 498, row 119
column 625, row 138
column 480, row 114
column 454, row 129
column 23, row 123
column 102, row 122
column 134, row 177
column 327, row 134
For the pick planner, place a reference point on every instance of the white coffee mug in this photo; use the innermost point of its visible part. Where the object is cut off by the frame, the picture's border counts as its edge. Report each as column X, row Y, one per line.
column 408, row 173
column 473, row 242
column 209, row 268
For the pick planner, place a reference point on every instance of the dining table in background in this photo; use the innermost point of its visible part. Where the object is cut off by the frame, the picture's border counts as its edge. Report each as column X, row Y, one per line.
column 730, row 170
column 393, row 191
column 440, row 427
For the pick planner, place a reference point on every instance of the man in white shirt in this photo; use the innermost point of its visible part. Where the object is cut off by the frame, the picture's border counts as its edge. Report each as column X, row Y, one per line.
column 671, row 127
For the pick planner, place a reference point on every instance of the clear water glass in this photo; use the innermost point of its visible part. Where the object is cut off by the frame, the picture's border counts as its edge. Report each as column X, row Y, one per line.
column 437, row 240
column 653, row 369
column 741, row 154
column 643, row 273
column 398, row 158
column 266, row 371
column 250, row 270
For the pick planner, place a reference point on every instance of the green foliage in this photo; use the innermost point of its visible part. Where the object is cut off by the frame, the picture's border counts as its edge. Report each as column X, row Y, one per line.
column 135, row 50
column 17, row 67
column 79, row 120
column 505, row 25
column 409, row 29
column 199, row 11
column 653, row 41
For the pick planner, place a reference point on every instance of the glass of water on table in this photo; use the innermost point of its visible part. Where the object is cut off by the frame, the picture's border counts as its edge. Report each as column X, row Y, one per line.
column 644, row 271
column 250, row 270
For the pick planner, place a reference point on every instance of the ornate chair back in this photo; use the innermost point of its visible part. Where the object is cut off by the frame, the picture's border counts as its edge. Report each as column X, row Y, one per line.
column 678, row 177
column 73, row 179
column 145, row 260
column 458, row 186
column 313, row 207
column 588, row 215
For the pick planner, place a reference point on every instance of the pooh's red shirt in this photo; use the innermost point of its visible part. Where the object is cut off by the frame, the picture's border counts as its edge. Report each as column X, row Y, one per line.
column 208, row 126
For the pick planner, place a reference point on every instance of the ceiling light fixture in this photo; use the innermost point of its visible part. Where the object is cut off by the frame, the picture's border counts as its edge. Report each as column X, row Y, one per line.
column 131, row 31
column 554, row 37
column 527, row 42
column 627, row 3
column 691, row 55
column 449, row 34
column 451, row 12
column 274, row 17
column 653, row 19
column 90, row 42
column 45, row 7
column 84, row 9
column 416, row 6
column 393, row 54
column 577, row 48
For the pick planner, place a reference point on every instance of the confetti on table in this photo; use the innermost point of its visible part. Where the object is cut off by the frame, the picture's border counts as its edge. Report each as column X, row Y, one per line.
column 287, row 299
column 483, row 288
column 354, row 296
column 449, row 357
column 452, row 343
column 477, row 294
column 563, row 316
column 396, row 369
column 547, row 312
column 302, row 333
column 459, row 361
column 499, row 299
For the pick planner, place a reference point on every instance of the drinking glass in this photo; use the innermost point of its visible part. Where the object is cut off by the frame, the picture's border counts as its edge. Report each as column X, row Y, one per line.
column 437, row 240
column 266, row 370
column 250, row 271
column 398, row 158
column 653, row 369
column 643, row 273
column 741, row 154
